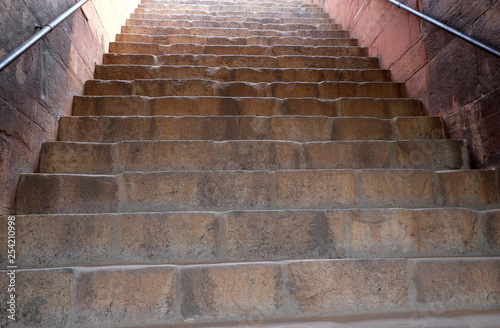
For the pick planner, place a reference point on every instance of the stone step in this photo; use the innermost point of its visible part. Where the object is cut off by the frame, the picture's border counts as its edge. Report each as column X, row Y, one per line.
column 248, row 41
column 226, row 74
column 226, row 13
column 139, row 295
column 238, row 18
column 202, row 87
column 220, row 128
column 259, row 3
column 208, row 237
column 197, row 8
column 256, row 190
column 244, row 61
column 233, row 25
column 150, row 156
column 210, row 106
column 231, row 32
column 252, row 50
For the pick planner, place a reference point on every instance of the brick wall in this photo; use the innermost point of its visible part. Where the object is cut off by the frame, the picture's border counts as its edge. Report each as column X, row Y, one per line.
column 454, row 79
column 38, row 88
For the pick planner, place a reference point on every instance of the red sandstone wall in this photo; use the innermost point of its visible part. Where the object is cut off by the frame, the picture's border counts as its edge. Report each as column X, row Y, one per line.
column 38, row 88
column 454, row 79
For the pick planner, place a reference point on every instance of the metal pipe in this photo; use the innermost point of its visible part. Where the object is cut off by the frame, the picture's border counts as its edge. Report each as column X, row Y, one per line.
column 446, row 27
column 39, row 35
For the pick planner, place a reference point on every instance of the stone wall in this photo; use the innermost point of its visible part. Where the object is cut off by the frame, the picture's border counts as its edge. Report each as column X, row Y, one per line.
column 38, row 88
column 454, row 79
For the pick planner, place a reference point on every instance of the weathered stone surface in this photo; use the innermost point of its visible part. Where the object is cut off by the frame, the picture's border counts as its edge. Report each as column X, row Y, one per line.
column 465, row 284
column 170, row 238
column 38, row 194
column 347, row 286
column 53, row 240
column 492, row 230
column 227, row 292
column 43, row 298
column 278, row 235
column 125, row 295
column 394, row 188
column 296, row 128
column 225, row 74
column 470, row 188
column 411, row 232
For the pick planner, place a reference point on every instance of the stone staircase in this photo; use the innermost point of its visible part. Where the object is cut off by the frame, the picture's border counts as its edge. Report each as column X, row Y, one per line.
column 245, row 163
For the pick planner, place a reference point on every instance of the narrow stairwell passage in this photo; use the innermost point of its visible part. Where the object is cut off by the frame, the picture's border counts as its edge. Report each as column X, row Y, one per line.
column 246, row 163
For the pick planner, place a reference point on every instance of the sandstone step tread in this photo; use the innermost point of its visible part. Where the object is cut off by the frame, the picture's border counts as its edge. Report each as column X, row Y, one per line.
column 231, row 32
column 256, row 190
column 248, row 50
column 146, row 106
column 205, row 87
column 264, row 14
column 169, row 294
column 237, row 236
column 232, row 24
column 294, row 128
column 221, row 40
column 232, row 74
column 150, row 156
column 183, row 8
column 236, row 18
column 244, row 61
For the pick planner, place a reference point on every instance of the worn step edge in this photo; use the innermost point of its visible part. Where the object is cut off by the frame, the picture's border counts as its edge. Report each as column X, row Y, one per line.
column 244, row 74
column 256, row 190
column 206, row 87
column 237, row 18
column 249, row 50
column 265, row 14
column 293, row 128
column 206, row 237
column 244, row 61
column 232, row 32
column 167, row 294
column 150, row 156
column 254, row 25
column 221, row 40
column 144, row 106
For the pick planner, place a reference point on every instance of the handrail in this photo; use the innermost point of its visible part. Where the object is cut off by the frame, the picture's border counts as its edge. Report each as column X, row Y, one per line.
column 446, row 27
column 39, row 35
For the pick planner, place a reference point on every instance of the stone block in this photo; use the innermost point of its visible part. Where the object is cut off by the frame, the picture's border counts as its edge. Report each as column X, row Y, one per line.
column 170, row 238
column 283, row 235
column 361, row 129
column 383, row 233
column 418, row 128
column 125, row 295
column 57, row 240
column 470, row 187
column 64, row 157
column 457, row 284
column 49, row 194
column 225, row 292
column 316, row 189
column 492, row 230
column 43, row 298
column 347, row 287
column 397, row 188
column 343, row 155
column 432, row 154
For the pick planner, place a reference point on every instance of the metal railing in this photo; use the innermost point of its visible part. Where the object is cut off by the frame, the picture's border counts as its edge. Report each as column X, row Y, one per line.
column 447, row 28
column 39, row 35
